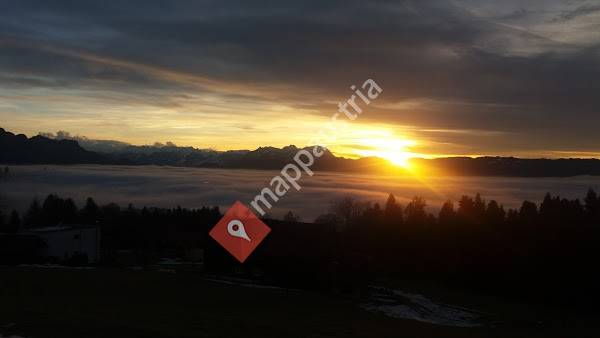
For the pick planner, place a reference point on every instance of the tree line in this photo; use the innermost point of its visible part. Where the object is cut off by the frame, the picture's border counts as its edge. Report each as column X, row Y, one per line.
column 546, row 250
column 550, row 249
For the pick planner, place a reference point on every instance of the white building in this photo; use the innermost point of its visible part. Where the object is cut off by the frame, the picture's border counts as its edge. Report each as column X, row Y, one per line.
column 62, row 242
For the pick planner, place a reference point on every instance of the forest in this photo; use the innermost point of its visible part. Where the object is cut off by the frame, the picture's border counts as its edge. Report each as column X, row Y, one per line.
column 546, row 252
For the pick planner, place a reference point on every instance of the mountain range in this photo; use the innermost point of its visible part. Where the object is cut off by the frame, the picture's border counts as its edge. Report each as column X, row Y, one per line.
column 65, row 149
column 19, row 149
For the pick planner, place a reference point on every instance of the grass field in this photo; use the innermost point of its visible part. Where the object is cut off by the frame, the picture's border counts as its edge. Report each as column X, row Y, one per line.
column 43, row 303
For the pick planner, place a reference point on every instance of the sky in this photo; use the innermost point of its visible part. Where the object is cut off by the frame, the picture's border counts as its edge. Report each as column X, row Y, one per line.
column 459, row 77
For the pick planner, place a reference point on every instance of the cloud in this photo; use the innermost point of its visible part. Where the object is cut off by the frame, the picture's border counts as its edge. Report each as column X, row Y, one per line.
column 524, row 68
column 194, row 188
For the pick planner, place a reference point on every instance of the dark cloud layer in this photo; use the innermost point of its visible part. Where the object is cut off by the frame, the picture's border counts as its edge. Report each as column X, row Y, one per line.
column 464, row 70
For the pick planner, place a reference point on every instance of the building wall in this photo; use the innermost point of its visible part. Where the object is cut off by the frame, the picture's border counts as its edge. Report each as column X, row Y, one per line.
column 64, row 243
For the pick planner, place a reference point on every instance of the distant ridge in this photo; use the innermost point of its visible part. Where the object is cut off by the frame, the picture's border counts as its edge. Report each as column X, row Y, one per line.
column 18, row 149
column 511, row 166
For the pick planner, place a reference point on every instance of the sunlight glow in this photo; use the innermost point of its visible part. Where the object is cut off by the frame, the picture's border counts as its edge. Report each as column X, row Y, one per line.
column 392, row 149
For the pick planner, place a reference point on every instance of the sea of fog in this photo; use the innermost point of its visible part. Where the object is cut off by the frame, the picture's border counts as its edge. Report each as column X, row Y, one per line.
column 196, row 187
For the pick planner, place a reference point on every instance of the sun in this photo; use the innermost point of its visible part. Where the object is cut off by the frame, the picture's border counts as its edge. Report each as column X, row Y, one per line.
column 392, row 149
column 397, row 158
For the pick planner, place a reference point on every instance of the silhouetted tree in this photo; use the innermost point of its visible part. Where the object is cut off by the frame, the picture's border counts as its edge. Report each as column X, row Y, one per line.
column 89, row 213
column 329, row 219
column 393, row 210
column 494, row 214
column 528, row 212
column 11, row 224
column 51, row 209
column 2, row 220
column 14, row 222
column 56, row 210
column 479, row 209
column 466, row 210
column 347, row 209
column 512, row 217
column 4, row 174
column 33, row 216
column 415, row 211
column 550, row 209
column 447, row 214
column 592, row 207
column 291, row 218
column 110, row 213
column 69, row 212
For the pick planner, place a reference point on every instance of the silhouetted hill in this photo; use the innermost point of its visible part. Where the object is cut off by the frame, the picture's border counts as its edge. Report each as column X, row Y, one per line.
column 41, row 150
column 510, row 166
column 277, row 158
column 261, row 158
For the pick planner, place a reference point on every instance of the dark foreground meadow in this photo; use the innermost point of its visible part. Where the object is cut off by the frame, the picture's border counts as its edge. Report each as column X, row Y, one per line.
column 46, row 303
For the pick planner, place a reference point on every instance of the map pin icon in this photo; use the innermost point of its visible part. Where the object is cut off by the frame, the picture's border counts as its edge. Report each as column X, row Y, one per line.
column 236, row 229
